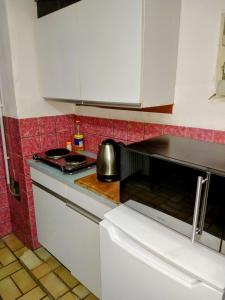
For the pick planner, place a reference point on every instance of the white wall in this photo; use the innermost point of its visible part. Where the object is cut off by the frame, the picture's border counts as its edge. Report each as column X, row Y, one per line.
column 29, row 103
column 6, row 76
column 198, row 45
column 197, row 58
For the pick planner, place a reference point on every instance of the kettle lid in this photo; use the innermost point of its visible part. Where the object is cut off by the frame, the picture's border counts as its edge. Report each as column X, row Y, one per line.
column 109, row 142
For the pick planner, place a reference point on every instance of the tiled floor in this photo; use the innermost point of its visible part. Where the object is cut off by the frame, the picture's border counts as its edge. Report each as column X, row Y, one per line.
column 35, row 275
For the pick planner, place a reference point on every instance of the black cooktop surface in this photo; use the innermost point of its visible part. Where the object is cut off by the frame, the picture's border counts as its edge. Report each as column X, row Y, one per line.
column 65, row 160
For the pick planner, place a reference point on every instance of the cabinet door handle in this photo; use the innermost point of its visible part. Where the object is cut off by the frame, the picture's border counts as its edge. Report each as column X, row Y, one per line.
column 200, row 183
column 83, row 212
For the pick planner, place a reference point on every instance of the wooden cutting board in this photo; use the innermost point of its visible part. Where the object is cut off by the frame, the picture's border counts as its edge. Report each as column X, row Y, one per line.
column 110, row 190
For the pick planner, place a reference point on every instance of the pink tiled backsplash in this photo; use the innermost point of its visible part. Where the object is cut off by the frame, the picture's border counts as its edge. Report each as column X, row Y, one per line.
column 96, row 129
column 5, row 219
column 24, row 137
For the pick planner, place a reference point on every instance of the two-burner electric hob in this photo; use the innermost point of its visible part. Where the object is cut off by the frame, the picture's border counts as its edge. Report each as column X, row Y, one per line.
column 65, row 160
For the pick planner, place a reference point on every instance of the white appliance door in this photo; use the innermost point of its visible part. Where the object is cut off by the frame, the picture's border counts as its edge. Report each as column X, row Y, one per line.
column 130, row 272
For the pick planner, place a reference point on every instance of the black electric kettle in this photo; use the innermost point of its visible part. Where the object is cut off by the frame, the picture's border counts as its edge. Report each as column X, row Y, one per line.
column 108, row 165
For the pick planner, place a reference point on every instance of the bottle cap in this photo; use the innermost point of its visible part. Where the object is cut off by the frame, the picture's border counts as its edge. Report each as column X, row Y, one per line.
column 78, row 136
column 68, row 143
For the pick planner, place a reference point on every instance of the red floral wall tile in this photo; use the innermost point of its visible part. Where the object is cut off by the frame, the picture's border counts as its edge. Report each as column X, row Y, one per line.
column 2, row 167
column 135, row 131
column 3, row 187
column 6, row 125
column 4, row 215
column 26, row 167
column 206, row 135
column 152, row 130
column 14, row 127
column 120, row 129
column 15, row 145
column 174, row 130
column 47, row 141
column 105, row 127
column 28, row 127
column 30, row 145
column 89, row 125
column 8, row 143
column 83, row 122
column 65, row 123
column 62, row 138
column 46, row 125
column 4, row 202
column 5, row 218
column 5, row 228
column 17, row 165
column 92, row 142
column 219, row 137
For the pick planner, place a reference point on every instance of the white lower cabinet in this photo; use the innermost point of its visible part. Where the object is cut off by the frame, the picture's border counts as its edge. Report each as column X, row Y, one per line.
column 70, row 236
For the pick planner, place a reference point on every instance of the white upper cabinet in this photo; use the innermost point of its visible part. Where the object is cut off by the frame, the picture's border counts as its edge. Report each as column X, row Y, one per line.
column 110, row 50
column 121, row 52
column 58, row 54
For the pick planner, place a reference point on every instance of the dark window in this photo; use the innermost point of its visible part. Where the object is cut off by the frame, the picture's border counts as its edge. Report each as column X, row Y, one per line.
column 45, row 7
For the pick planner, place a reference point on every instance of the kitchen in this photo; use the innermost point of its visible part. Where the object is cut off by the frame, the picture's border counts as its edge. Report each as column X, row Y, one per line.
column 34, row 124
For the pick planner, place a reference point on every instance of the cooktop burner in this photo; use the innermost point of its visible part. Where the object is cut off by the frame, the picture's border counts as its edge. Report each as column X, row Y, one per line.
column 66, row 161
column 57, row 153
column 75, row 159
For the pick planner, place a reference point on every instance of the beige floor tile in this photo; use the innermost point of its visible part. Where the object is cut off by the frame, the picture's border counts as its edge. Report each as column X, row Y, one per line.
column 10, row 269
column 24, row 281
column 21, row 251
column 53, row 263
column 8, row 289
column 81, row 291
column 6, row 256
column 35, row 294
column 69, row 296
column 2, row 245
column 13, row 242
column 43, row 254
column 54, row 285
column 91, row 297
column 66, row 276
column 41, row 270
column 30, row 260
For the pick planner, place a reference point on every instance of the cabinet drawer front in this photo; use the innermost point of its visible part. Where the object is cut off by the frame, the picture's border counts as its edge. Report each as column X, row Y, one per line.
column 49, row 182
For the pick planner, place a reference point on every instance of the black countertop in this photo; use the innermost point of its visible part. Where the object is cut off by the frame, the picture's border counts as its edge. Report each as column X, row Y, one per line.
column 209, row 157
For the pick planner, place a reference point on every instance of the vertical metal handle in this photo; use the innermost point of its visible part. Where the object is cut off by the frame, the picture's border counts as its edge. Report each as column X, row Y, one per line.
column 204, row 204
column 200, row 182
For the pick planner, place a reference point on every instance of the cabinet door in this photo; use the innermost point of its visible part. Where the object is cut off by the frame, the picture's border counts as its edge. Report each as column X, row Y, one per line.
column 131, row 271
column 51, row 224
column 84, row 252
column 70, row 236
column 110, row 50
column 57, row 49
